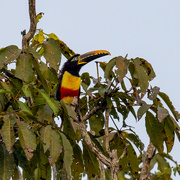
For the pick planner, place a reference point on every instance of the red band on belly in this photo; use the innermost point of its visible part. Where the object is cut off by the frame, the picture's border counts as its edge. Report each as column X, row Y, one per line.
column 65, row 92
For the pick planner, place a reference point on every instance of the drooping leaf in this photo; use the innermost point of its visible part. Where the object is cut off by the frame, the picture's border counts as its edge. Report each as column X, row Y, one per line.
column 162, row 163
column 55, row 147
column 6, row 163
column 170, row 105
column 142, row 110
column 7, row 132
column 162, row 113
column 19, row 154
column 109, row 67
column 141, row 75
column 65, row 50
column 27, row 138
column 24, row 70
column 25, row 108
column 149, row 70
column 154, row 129
column 122, row 65
column 46, row 137
column 91, row 163
column 8, row 55
column 169, row 129
column 68, row 153
column 26, row 90
column 42, row 79
column 77, row 165
column 132, row 158
column 85, row 78
column 51, row 102
column 52, row 53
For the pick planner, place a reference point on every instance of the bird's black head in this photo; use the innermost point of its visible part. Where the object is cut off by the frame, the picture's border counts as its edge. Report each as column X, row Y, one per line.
column 74, row 64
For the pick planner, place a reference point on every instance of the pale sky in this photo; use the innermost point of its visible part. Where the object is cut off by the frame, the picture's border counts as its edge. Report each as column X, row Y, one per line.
column 140, row 28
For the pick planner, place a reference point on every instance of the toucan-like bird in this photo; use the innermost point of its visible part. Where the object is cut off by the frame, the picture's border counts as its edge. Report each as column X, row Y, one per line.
column 69, row 80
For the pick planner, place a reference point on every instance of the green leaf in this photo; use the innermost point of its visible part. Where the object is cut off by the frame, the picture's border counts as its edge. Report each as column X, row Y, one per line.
column 142, row 110
column 7, row 132
column 41, row 77
column 46, row 137
column 169, row 129
column 109, row 67
column 170, row 105
column 27, row 138
column 96, row 122
column 162, row 163
column 39, row 37
column 52, row 53
column 132, row 158
column 85, row 78
column 91, row 163
column 141, row 75
column 6, row 163
column 24, row 70
column 122, row 65
column 24, row 108
column 51, row 102
column 68, row 153
column 26, row 90
column 8, row 55
column 77, row 165
column 2, row 91
column 65, row 50
column 149, row 70
column 154, row 129
column 55, row 147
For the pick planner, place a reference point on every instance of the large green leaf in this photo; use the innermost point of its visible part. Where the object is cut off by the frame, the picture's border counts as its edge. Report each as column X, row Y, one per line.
column 6, row 163
column 68, row 153
column 166, row 99
column 7, row 132
column 24, row 70
column 51, row 102
column 77, row 165
column 55, row 147
column 141, row 75
column 169, row 129
column 8, row 54
column 122, row 65
column 154, row 129
column 109, row 67
column 52, row 53
column 91, row 163
column 27, row 138
column 46, row 136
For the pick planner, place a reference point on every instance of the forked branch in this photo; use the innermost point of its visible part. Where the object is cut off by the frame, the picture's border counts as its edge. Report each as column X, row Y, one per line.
column 32, row 14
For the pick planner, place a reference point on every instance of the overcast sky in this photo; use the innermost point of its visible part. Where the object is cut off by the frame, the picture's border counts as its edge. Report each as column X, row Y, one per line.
column 140, row 28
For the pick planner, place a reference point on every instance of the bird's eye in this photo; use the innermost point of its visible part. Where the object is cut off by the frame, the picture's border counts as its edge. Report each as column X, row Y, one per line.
column 74, row 59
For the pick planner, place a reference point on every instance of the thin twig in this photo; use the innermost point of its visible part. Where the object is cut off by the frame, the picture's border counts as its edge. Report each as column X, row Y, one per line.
column 32, row 14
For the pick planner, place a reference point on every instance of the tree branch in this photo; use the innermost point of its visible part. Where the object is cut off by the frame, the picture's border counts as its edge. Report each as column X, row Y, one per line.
column 146, row 163
column 32, row 14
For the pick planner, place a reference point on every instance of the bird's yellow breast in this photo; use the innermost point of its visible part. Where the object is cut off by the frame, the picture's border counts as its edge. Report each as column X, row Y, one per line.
column 71, row 82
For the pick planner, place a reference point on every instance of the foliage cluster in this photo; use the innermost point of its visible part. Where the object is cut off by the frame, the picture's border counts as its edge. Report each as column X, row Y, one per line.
column 30, row 137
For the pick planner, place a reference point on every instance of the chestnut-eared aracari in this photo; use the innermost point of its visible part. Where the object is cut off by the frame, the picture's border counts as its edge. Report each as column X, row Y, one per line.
column 69, row 80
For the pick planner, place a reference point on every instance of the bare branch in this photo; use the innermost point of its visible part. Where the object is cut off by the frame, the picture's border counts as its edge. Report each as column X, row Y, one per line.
column 101, row 167
column 87, row 116
column 146, row 163
column 82, row 127
column 32, row 14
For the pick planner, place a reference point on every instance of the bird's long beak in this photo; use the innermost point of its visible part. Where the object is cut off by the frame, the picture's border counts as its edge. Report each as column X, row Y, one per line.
column 87, row 57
